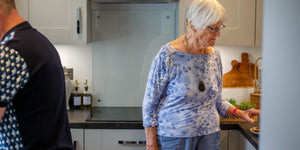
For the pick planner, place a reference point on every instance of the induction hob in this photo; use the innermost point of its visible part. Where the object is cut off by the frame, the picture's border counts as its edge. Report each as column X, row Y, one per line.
column 116, row 114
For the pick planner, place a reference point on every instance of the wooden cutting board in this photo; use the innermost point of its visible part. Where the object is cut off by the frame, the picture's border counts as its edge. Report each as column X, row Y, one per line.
column 241, row 75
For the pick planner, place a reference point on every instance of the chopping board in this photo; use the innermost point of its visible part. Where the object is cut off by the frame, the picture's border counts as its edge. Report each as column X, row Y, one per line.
column 241, row 75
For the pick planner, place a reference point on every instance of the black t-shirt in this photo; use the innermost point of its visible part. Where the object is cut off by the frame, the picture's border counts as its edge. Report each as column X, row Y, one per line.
column 32, row 88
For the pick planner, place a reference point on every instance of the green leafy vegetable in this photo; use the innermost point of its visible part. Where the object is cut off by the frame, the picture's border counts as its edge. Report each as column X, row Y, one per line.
column 244, row 105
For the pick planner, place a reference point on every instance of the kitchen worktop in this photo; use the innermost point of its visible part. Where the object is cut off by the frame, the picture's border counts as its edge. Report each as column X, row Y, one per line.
column 130, row 118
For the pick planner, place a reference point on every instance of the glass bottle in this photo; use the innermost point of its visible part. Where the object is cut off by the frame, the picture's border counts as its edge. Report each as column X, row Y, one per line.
column 75, row 99
column 86, row 97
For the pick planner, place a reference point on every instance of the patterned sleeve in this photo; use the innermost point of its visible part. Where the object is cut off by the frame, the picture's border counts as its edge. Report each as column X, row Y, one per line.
column 156, row 84
column 222, row 105
column 13, row 73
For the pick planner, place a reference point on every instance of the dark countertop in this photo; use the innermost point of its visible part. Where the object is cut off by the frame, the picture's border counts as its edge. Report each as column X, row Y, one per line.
column 82, row 119
column 252, row 137
column 107, row 118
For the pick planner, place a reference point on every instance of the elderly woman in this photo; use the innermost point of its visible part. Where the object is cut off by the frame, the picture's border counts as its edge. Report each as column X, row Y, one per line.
column 183, row 97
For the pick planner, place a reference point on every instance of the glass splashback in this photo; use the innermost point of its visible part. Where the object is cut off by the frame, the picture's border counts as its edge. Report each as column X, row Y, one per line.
column 126, row 38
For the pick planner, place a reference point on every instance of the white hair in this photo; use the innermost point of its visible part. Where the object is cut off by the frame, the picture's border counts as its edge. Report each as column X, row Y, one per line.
column 203, row 13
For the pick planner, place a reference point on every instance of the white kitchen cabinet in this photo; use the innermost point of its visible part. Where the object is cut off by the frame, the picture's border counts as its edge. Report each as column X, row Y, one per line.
column 241, row 22
column 224, row 139
column 78, row 138
column 112, row 139
column 57, row 19
column 259, row 22
column 236, row 141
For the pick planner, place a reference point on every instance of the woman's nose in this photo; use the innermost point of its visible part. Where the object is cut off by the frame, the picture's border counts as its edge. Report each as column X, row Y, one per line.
column 217, row 33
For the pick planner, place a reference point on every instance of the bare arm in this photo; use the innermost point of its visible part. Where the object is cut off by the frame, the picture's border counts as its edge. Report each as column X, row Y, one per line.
column 246, row 115
column 151, row 141
column 2, row 110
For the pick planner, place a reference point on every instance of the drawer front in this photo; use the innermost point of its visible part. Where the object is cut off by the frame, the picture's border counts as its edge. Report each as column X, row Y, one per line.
column 104, row 139
column 77, row 138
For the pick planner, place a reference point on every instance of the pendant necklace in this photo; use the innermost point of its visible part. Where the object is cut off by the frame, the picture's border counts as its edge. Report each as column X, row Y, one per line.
column 201, row 85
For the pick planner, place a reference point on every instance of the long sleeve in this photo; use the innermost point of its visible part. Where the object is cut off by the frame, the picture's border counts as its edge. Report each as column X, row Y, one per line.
column 222, row 105
column 155, row 89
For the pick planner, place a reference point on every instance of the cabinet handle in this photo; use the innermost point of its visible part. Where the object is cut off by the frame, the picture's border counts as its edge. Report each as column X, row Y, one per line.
column 74, row 144
column 132, row 142
column 78, row 19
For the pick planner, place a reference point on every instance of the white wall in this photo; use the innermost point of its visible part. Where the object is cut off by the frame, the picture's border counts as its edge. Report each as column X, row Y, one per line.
column 80, row 59
column 280, row 99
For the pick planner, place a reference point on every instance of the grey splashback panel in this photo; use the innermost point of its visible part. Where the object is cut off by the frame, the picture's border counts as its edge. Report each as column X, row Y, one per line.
column 125, row 41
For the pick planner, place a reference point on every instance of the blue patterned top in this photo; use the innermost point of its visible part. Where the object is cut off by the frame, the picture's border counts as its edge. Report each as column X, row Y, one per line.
column 172, row 100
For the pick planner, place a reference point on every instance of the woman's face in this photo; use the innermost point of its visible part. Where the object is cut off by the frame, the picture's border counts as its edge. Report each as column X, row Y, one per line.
column 208, row 37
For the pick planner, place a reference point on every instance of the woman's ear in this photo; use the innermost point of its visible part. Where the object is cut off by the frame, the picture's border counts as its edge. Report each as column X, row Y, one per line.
column 192, row 27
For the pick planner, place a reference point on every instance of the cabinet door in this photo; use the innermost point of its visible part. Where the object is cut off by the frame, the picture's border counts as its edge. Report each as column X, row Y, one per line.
column 240, row 24
column 115, row 139
column 52, row 18
column 259, row 18
column 224, row 139
column 57, row 19
column 77, row 138
column 81, row 23
column 236, row 141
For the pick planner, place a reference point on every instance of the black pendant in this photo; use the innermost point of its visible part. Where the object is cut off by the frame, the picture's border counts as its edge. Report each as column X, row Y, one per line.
column 201, row 86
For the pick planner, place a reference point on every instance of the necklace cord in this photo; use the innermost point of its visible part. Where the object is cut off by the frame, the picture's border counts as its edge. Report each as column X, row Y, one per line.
column 187, row 45
column 201, row 85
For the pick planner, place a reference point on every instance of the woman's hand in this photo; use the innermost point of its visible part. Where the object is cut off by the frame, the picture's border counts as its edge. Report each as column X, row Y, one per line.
column 247, row 114
column 151, row 142
column 151, row 147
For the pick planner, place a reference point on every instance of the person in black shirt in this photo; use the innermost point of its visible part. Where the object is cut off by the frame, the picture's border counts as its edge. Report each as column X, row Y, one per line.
column 32, row 87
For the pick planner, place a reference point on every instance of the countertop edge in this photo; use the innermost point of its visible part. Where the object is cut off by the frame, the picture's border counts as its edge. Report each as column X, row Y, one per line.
column 242, row 127
column 78, row 120
column 251, row 137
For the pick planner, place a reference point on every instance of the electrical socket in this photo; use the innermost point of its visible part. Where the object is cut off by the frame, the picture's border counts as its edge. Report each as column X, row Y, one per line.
column 70, row 73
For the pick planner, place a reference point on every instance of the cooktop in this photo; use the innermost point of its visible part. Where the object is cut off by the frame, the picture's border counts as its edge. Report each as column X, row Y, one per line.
column 116, row 114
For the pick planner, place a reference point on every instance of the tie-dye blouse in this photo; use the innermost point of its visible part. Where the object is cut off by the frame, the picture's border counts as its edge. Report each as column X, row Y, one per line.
column 173, row 101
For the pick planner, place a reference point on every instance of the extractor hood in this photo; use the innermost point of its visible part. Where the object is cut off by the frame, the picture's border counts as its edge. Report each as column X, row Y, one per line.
column 134, row 1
